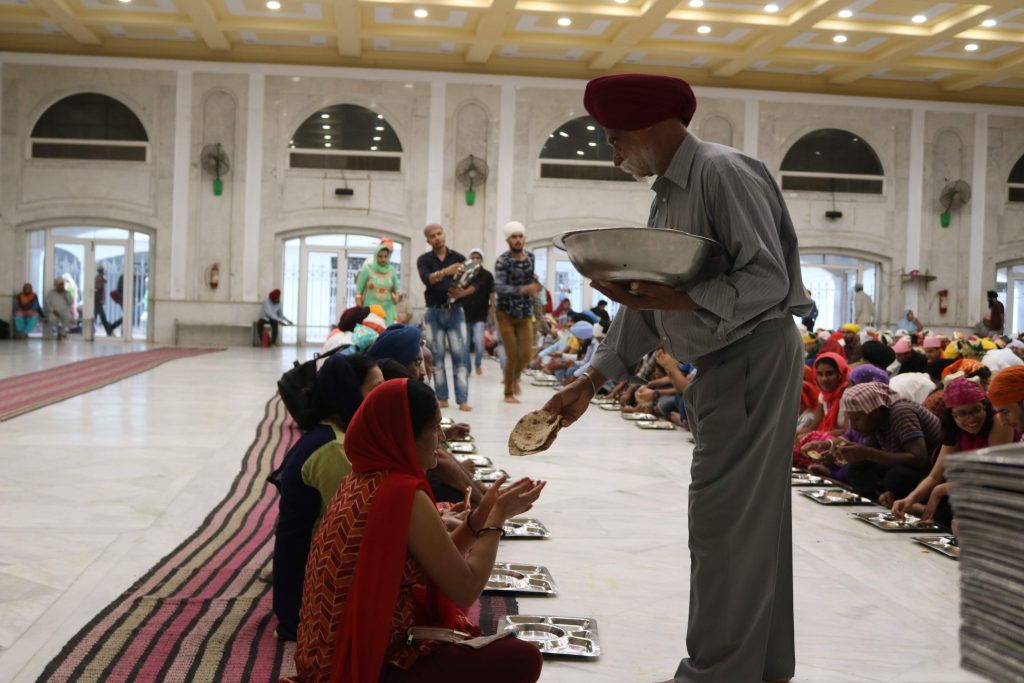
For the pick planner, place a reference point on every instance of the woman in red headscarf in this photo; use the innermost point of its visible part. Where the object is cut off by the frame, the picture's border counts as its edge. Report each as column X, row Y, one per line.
column 382, row 562
column 968, row 424
column 833, row 376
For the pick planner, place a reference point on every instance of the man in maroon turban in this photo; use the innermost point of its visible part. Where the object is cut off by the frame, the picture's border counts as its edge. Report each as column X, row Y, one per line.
column 735, row 325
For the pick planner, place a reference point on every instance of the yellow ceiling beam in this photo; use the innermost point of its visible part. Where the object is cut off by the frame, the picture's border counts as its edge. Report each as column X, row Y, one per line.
column 58, row 11
column 489, row 31
column 626, row 39
column 945, row 30
column 205, row 22
column 1014, row 66
column 348, row 23
column 799, row 21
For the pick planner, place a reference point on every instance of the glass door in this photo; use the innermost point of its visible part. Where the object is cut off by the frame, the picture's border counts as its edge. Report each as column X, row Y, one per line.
column 68, row 265
column 110, row 291
column 321, row 295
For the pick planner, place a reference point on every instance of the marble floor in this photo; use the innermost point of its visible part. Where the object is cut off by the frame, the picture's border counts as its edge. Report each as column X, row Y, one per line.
column 97, row 488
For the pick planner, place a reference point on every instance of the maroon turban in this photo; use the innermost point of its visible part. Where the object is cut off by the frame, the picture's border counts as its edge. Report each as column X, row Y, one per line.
column 275, row 295
column 635, row 101
column 351, row 317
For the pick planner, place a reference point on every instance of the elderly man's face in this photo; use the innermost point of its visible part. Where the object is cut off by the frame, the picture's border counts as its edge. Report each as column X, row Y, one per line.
column 633, row 151
column 516, row 241
column 1012, row 415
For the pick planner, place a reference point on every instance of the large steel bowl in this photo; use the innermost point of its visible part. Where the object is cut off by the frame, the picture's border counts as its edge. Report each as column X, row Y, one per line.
column 662, row 255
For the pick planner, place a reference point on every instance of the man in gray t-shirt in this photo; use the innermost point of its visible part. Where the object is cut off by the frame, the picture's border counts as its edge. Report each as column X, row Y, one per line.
column 736, row 328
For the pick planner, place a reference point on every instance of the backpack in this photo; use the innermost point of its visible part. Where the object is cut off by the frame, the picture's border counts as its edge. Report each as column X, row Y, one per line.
column 297, row 388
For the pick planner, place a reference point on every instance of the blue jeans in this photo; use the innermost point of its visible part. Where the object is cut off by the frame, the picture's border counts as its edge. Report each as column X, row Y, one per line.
column 450, row 324
column 478, row 342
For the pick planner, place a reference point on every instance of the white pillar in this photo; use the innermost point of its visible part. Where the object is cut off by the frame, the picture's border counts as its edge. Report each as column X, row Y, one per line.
column 253, row 189
column 751, row 127
column 506, row 166
column 915, row 206
column 977, row 250
column 435, row 155
column 179, row 187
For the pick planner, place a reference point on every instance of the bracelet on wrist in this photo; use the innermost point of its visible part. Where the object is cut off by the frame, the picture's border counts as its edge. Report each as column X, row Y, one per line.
column 593, row 385
column 469, row 523
column 491, row 528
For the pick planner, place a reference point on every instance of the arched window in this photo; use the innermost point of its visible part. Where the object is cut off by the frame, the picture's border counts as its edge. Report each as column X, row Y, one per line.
column 346, row 137
column 1016, row 181
column 89, row 126
column 832, row 160
column 578, row 150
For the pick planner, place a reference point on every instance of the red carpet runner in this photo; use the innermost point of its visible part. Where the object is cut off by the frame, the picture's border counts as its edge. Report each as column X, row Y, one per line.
column 22, row 393
column 203, row 614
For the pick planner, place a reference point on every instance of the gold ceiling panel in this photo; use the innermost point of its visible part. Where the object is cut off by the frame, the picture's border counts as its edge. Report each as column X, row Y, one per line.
column 927, row 49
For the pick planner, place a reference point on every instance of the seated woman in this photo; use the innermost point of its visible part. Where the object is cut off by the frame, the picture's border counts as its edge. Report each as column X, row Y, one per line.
column 968, row 424
column 27, row 312
column 382, row 562
column 833, row 376
column 340, row 335
column 310, row 476
column 902, row 437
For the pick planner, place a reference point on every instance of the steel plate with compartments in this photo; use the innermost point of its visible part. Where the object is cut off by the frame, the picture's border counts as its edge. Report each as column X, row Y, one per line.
column 461, row 447
column 526, row 528
column 466, row 439
column 513, row 577
column 609, row 406
column 655, row 424
column 489, row 474
column 886, row 521
column 835, row 497
column 559, row 636
column 808, row 479
column 474, row 460
column 447, row 422
column 945, row 545
column 633, row 417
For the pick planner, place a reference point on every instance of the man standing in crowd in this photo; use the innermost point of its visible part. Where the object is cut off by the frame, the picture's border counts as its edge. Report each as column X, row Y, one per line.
column 444, row 318
column 996, row 314
column 272, row 313
column 737, row 329
column 517, row 288
column 863, row 306
column 479, row 308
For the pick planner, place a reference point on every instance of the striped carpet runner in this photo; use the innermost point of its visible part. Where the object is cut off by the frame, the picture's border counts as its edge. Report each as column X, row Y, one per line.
column 203, row 613
column 22, row 393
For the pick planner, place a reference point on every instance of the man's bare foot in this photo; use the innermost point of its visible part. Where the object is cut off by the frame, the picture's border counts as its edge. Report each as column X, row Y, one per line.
column 465, row 407
column 511, row 399
column 516, row 389
column 479, row 370
column 442, row 404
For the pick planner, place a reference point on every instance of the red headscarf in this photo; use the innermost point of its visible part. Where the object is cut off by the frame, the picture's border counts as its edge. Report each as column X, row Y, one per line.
column 833, row 346
column 828, row 422
column 809, row 390
column 380, row 438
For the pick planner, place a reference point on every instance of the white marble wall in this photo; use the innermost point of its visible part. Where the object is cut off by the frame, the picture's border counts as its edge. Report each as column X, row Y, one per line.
column 291, row 202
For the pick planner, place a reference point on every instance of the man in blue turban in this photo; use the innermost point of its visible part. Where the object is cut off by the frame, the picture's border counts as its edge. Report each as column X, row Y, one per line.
column 400, row 343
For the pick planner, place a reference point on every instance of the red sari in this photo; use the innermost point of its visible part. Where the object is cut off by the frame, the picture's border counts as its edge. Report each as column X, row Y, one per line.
column 362, row 590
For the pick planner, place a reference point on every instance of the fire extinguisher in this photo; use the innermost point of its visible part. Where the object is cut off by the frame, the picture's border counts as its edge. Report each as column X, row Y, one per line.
column 214, row 276
column 943, row 298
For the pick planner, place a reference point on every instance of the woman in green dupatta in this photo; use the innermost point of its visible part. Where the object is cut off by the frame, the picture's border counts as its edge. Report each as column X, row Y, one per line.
column 377, row 282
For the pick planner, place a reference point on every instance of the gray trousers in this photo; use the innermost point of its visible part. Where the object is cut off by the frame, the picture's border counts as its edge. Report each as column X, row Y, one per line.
column 742, row 407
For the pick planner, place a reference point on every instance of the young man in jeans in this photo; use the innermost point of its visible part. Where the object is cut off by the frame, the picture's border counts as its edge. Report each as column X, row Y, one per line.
column 516, row 287
column 479, row 309
column 444, row 318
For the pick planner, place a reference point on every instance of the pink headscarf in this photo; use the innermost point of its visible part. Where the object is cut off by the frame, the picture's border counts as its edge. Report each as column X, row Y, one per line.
column 962, row 391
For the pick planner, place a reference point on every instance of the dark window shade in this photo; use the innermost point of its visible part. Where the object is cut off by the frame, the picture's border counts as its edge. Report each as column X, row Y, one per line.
column 581, row 172
column 345, row 162
column 831, row 150
column 90, row 116
column 349, row 127
column 815, row 184
column 69, row 150
column 1017, row 194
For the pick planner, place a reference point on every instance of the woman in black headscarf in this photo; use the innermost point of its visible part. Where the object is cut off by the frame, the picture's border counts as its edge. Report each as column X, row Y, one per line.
column 310, row 476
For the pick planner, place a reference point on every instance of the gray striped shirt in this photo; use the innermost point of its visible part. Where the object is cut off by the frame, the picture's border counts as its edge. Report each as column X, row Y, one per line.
column 718, row 192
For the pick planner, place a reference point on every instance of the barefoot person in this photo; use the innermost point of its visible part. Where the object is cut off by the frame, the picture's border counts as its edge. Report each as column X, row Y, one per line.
column 517, row 287
column 737, row 329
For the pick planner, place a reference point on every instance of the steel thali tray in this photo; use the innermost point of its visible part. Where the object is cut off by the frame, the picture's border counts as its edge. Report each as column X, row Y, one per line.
column 609, row 406
column 512, row 577
column 461, row 447
column 946, row 545
column 560, row 636
column 808, row 479
column 835, row 497
column 474, row 460
column 489, row 474
column 526, row 528
column 633, row 417
column 604, row 401
column 655, row 424
column 886, row 521
column 447, row 422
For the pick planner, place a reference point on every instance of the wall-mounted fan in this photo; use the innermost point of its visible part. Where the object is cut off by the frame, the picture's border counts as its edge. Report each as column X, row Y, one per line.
column 471, row 171
column 214, row 161
column 953, row 196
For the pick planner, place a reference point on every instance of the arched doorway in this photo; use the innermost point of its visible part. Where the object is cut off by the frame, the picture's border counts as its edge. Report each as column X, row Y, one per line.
column 831, row 279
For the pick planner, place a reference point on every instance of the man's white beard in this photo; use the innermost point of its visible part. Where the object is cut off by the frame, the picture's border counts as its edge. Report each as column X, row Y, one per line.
column 638, row 166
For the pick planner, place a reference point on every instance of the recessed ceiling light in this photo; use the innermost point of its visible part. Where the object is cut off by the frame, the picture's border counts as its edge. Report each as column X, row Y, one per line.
column 703, row 29
column 971, row 47
column 421, row 13
column 327, row 144
column 839, row 38
column 621, row 2
column 374, row 148
column 325, row 116
column 845, row 14
column 989, row 23
column 563, row 133
column 696, row 4
column 326, row 126
column 379, row 128
column 376, row 138
column 380, row 116
column 771, row 7
column 579, row 152
column 591, row 128
column 592, row 144
column 273, row 4
column 291, row 142
column 124, row 2
column 564, row 21
column 327, row 137
column 919, row 18
column 407, row 85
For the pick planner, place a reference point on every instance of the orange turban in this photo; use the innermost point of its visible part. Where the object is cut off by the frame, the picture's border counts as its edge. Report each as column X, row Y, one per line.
column 1007, row 386
column 968, row 366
